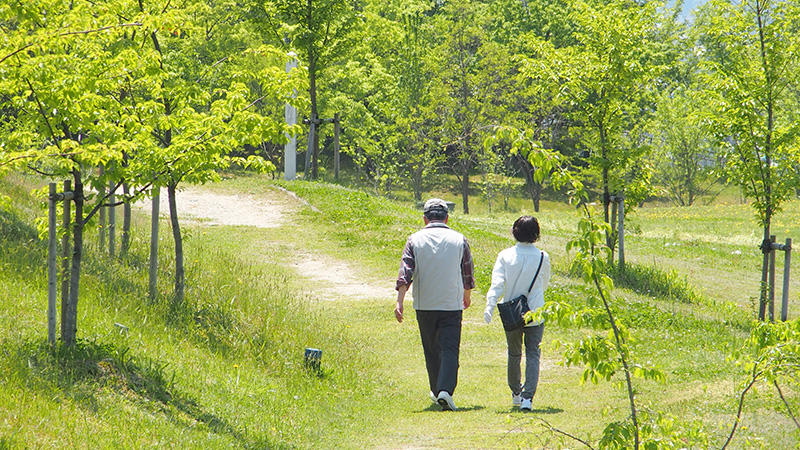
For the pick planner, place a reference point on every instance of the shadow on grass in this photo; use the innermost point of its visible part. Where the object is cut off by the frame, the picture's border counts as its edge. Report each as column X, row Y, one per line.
column 540, row 410
column 436, row 408
column 82, row 371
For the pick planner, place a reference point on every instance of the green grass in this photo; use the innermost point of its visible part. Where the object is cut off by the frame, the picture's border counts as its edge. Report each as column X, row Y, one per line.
column 225, row 367
column 678, row 326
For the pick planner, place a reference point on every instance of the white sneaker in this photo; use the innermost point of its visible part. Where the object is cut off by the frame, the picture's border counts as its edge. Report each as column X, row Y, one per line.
column 526, row 404
column 433, row 397
column 446, row 401
column 516, row 399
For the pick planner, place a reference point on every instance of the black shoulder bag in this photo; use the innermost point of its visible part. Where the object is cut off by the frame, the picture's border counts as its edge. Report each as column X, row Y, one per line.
column 512, row 313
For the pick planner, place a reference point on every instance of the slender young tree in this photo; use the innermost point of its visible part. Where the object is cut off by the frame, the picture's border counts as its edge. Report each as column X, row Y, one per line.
column 322, row 30
column 604, row 81
column 751, row 57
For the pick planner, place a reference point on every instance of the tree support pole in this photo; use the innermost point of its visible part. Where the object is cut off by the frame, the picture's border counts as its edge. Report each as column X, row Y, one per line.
column 51, row 266
column 787, row 259
column 112, row 221
column 771, row 298
column 65, row 253
column 153, row 274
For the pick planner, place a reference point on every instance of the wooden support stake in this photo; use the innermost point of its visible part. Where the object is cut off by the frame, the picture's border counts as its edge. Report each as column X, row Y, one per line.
column 621, row 231
column 787, row 260
column 112, row 221
column 65, row 254
column 336, row 146
column 771, row 293
column 101, row 228
column 153, row 281
column 52, row 280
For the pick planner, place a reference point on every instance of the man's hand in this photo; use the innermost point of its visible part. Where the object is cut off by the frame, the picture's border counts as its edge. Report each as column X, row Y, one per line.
column 467, row 300
column 398, row 309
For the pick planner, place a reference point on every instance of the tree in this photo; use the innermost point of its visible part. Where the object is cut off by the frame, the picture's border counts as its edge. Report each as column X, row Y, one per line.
column 751, row 57
column 87, row 87
column 685, row 154
column 416, row 117
column 321, row 32
column 473, row 76
column 603, row 82
column 193, row 118
column 55, row 74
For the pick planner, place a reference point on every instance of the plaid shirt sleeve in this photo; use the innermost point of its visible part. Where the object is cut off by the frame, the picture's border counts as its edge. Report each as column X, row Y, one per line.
column 467, row 269
column 407, row 265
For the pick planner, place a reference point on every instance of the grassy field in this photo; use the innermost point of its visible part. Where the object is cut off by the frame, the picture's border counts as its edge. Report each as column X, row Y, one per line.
column 225, row 368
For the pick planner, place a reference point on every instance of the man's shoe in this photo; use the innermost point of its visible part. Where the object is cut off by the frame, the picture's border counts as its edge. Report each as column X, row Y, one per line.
column 526, row 404
column 433, row 398
column 516, row 399
column 446, row 401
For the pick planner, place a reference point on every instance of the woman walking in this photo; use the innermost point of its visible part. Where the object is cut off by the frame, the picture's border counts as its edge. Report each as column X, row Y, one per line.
column 512, row 275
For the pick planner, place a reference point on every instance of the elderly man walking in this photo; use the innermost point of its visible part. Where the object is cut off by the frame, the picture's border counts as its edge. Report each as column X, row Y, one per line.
column 438, row 261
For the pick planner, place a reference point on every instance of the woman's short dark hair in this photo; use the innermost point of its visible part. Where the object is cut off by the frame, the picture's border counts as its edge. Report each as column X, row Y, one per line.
column 526, row 229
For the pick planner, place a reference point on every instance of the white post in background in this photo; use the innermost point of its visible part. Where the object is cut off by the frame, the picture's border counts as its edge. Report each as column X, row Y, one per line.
column 290, row 149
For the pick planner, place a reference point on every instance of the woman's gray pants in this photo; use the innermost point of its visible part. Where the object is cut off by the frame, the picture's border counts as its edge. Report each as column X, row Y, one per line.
column 532, row 337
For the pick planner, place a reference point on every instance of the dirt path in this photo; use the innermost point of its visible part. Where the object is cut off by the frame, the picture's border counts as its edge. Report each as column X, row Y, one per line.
column 334, row 278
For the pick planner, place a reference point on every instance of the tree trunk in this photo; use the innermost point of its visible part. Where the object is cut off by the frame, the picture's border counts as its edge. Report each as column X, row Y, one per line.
column 312, row 92
column 606, row 189
column 152, row 289
column 613, row 228
column 125, row 239
column 70, row 325
column 176, row 235
column 762, row 298
column 534, row 189
column 767, row 164
column 465, row 187
column 417, row 181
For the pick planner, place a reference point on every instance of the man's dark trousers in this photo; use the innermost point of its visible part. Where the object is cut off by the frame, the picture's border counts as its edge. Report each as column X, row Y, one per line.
column 441, row 338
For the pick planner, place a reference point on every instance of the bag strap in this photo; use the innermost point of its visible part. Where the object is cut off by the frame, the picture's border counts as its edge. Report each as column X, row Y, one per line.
column 541, row 259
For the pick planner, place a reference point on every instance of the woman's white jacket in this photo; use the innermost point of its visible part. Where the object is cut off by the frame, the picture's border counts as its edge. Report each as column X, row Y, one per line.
column 512, row 275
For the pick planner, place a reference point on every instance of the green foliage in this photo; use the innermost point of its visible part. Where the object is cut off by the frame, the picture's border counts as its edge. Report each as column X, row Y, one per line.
column 686, row 158
column 772, row 351
column 749, row 60
column 604, row 82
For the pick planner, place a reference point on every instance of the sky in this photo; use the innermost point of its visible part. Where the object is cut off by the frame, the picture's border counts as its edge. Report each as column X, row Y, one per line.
column 689, row 5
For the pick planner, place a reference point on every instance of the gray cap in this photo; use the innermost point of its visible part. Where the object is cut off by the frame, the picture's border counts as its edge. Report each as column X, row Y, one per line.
column 435, row 205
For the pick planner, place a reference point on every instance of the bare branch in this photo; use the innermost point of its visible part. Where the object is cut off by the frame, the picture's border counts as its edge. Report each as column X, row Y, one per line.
column 785, row 403
column 564, row 433
column 754, row 378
